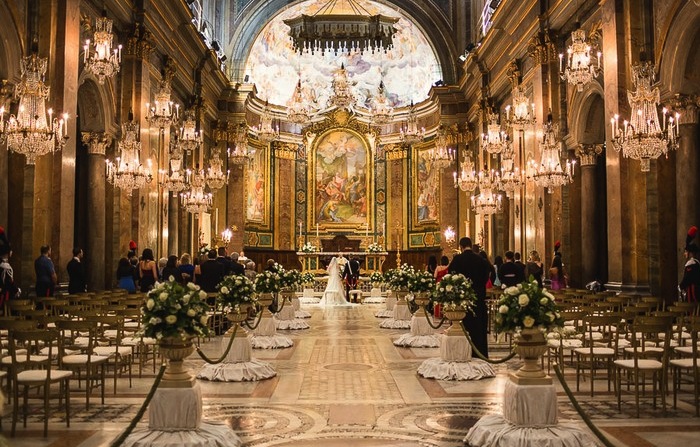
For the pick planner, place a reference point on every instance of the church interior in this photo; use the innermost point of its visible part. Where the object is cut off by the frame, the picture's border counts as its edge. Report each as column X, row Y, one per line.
column 381, row 130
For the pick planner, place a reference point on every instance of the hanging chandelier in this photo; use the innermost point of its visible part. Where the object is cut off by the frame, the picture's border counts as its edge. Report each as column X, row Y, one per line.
column 34, row 131
column 163, row 112
column 488, row 201
column 467, row 180
column 189, row 139
column 550, row 173
column 299, row 108
column 511, row 177
column 216, row 177
column 579, row 69
column 410, row 132
column 643, row 137
column 495, row 140
column 103, row 61
column 196, row 200
column 264, row 131
column 441, row 155
column 350, row 28
column 342, row 97
column 239, row 154
column 523, row 112
column 126, row 172
column 173, row 179
column 381, row 111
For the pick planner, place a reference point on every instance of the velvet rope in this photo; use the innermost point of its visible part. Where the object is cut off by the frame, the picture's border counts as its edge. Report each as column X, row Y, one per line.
column 480, row 355
column 225, row 354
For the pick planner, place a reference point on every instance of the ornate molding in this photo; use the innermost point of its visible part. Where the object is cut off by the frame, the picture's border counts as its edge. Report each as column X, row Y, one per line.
column 395, row 151
column 140, row 43
column 687, row 106
column 514, row 73
column 287, row 151
column 588, row 153
column 541, row 47
column 96, row 142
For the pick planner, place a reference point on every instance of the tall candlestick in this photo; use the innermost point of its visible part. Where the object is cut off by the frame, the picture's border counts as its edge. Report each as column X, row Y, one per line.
column 366, row 230
column 216, row 220
column 299, row 228
column 466, row 228
column 317, row 231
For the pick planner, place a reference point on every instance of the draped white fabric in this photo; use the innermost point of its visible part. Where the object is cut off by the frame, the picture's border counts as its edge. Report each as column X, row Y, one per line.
column 494, row 430
column 265, row 336
column 421, row 335
column 209, row 434
column 455, row 349
column 309, row 297
column 439, row 369
column 238, row 366
column 298, row 312
column 530, row 405
column 375, row 296
column 390, row 302
column 175, row 409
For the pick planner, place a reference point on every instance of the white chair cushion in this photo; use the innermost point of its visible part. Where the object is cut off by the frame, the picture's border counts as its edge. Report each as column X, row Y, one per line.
column 39, row 375
column 82, row 359
column 644, row 364
column 597, row 351
column 110, row 350
column 683, row 363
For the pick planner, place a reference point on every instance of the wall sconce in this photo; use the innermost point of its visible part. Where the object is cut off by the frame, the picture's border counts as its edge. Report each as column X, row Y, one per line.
column 449, row 235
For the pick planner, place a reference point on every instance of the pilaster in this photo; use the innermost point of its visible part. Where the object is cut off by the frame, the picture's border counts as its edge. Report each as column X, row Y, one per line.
column 588, row 154
column 96, row 143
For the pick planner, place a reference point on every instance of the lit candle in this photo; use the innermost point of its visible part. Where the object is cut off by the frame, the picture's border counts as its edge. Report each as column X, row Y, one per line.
column 366, row 230
column 561, row 62
column 299, row 228
column 316, row 231
column 466, row 227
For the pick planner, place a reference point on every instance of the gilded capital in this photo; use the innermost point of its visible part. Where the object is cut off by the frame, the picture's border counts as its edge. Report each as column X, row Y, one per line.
column 541, row 48
column 588, row 153
column 687, row 106
column 140, row 43
column 96, row 142
column 514, row 73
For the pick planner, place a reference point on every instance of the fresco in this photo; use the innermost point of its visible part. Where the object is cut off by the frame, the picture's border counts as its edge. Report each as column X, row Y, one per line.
column 408, row 70
column 256, row 193
column 427, row 190
column 341, row 179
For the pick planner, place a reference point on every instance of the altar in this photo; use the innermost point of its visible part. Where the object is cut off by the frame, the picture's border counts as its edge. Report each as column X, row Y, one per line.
column 316, row 262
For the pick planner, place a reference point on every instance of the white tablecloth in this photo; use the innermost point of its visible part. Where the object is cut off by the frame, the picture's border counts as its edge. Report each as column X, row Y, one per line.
column 176, row 409
column 440, row 369
column 287, row 312
column 390, row 302
column 530, row 405
column 401, row 312
column 455, row 349
column 421, row 335
column 238, row 366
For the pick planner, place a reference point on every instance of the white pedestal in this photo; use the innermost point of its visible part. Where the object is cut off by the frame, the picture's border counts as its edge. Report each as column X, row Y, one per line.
column 298, row 312
column 529, row 418
column 400, row 319
column 239, row 365
column 390, row 302
column 285, row 319
column 421, row 335
column 309, row 297
column 455, row 362
column 265, row 336
column 175, row 418
column 375, row 297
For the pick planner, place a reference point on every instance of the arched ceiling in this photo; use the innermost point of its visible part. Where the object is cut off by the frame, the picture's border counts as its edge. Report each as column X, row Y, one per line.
column 408, row 70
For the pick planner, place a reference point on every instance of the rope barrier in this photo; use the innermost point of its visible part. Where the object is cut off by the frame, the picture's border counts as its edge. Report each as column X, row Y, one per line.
column 480, row 355
column 225, row 354
column 120, row 440
column 579, row 410
column 427, row 317
column 259, row 318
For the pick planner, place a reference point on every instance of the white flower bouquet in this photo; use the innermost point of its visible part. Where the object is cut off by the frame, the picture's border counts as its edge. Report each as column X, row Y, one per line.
column 376, row 278
column 421, row 282
column 268, row 282
column 308, row 248
column 307, row 278
column 527, row 306
column 397, row 279
column 290, row 279
column 235, row 291
column 453, row 291
column 374, row 248
column 171, row 310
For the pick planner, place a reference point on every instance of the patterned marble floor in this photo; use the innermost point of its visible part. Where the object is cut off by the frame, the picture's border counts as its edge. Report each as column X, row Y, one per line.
column 345, row 384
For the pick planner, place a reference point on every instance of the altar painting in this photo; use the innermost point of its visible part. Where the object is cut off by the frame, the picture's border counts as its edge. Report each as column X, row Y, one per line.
column 257, row 187
column 426, row 193
column 341, row 180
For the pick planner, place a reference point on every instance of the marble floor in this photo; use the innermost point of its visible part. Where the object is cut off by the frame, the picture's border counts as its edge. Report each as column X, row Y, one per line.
column 344, row 383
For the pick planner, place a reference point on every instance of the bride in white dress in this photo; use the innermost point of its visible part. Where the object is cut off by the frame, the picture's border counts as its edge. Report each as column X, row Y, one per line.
column 334, row 295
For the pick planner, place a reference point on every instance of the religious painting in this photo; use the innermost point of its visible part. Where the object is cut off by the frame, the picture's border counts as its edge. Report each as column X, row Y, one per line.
column 341, row 179
column 426, row 189
column 257, row 187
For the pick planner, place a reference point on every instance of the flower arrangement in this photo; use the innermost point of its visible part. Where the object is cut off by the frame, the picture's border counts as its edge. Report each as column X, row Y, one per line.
column 454, row 290
column 203, row 250
column 268, row 282
column 290, row 279
column 397, row 279
column 374, row 248
column 376, row 278
column 307, row 278
column 236, row 290
column 421, row 282
column 172, row 310
column 527, row 306
column 308, row 248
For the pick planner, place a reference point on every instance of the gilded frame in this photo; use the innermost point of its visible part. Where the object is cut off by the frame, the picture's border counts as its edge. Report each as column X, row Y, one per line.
column 258, row 171
column 425, row 187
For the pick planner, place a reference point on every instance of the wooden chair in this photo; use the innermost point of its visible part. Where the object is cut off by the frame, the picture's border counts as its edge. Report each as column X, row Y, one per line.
column 110, row 331
column 600, row 341
column 689, row 364
column 32, row 371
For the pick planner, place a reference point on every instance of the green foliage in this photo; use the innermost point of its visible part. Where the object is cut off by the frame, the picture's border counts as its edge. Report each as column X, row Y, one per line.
column 454, row 290
column 525, row 306
column 171, row 310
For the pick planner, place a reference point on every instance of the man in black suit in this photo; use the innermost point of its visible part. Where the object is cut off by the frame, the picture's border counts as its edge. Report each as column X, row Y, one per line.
column 76, row 273
column 212, row 273
column 477, row 269
column 236, row 267
column 521, row 266
column 509, row 273
column 351, row 273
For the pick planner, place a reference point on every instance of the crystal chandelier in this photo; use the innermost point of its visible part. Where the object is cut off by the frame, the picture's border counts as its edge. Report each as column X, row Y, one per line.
column 34, row 131
column 550, row 173
column 126, row 172
column 196, row 200
column 449, row 235
column 216, row 177
column 298, row 107
column 523, row 112
column 442, row 155
column 578, row 69
column 264, row 131
column 239, row 154
column 104, row 60
column 380, row 110
column 495, row 140
column 189, row 139
column 348, row 29
column 173, row 179
column 163, row 112
column 643, row 137
column 511, row 176
column 342, row 97
column 410, row 133
column 488, row 201
column 467, row 180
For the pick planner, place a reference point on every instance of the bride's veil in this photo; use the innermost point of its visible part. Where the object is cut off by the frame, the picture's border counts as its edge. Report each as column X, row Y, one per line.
column 333, row 267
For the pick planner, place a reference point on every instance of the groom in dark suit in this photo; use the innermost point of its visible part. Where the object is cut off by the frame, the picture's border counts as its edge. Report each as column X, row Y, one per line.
column 476, row 268
column 350, row 274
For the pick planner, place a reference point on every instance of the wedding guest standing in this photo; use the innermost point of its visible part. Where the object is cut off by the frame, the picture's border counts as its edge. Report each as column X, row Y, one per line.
column 171, row 269
column 186, row 268
column 534, row 267
column 76, row 272
column 148, row 273
column 46, row 278
column 125, row 276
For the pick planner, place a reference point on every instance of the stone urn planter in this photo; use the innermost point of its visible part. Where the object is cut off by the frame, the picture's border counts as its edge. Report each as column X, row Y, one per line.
column 176, row 350
column 531, row 345
column 455, row 316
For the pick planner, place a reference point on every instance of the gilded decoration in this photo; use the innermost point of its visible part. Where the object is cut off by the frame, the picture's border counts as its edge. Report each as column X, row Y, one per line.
column 258, row 187
column 541, row 48
column 426, row 188
column 287, row 151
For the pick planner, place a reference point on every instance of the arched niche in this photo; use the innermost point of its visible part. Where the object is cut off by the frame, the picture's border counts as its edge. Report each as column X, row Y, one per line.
column 11, row 51
column 96, row 106
column 680, row 59
column 587, row 116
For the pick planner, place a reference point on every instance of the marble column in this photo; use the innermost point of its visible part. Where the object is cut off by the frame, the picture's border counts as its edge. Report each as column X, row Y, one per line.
column 687, row 165
column 96, row 143
column 28, row 254
column 173, row 220
column 589, row 241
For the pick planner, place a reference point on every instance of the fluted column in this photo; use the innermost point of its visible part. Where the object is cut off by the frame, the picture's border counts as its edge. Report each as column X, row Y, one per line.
column 687, row 165
column 589, row 241
column 96, row 143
